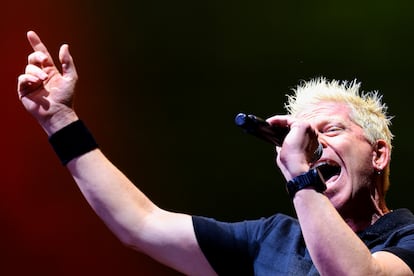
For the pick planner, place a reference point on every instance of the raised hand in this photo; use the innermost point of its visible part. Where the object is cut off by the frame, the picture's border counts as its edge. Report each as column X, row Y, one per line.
column 298, row 149
column 45, row 91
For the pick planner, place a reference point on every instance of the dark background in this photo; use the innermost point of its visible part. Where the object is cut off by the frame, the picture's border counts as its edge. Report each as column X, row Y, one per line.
column 160, row 84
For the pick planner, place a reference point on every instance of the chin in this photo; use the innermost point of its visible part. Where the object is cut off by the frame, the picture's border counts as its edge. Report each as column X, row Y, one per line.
column 336, row 199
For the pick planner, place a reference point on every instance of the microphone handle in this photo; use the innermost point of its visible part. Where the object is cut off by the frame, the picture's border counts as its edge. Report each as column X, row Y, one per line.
column 270, row 133
column 260, row 128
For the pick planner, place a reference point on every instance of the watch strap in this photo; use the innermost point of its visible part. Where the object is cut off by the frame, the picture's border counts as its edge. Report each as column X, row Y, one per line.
column 312, row 178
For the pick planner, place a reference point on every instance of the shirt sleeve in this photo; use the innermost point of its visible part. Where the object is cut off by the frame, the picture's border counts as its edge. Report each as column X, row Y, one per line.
column 402, row 245
column 225, row 245
column 406, row 255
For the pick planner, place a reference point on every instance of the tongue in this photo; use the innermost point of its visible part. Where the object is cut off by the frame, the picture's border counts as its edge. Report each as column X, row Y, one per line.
column 331, row 179
column 328, row 171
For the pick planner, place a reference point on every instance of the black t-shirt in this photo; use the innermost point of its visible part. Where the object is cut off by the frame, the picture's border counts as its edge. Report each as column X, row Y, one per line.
column 275, row 246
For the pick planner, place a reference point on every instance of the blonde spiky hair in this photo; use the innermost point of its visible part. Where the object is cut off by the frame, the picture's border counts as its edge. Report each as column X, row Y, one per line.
column 367, row 109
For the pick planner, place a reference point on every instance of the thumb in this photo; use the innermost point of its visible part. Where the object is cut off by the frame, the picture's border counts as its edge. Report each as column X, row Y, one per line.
column 68, row 66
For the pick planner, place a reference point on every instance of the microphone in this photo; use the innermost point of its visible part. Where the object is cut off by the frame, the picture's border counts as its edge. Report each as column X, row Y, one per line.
column 273, row 134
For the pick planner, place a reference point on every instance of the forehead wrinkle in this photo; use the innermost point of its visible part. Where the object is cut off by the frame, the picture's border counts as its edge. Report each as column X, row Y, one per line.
column 328, row 111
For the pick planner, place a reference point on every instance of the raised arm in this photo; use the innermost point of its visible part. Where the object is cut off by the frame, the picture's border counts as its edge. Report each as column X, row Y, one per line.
column 47, row 93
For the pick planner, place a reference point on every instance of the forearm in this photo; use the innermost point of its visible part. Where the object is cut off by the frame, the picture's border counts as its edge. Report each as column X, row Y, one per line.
column 335, row 249
column 166, row 236
column 120, row 204
column 117, row 201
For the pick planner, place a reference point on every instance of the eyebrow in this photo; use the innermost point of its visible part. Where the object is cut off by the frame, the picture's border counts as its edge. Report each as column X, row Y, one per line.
column 333, row 121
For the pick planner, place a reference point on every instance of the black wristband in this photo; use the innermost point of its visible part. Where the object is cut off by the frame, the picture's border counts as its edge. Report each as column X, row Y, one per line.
column 312, row 178
column 72, row 141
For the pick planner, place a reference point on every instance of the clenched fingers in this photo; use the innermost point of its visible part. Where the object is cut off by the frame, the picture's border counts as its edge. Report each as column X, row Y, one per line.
column 27, row 83
column 36, row 71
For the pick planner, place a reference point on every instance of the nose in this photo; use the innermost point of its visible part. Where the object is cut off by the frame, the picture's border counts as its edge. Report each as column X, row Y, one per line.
column 323, row 142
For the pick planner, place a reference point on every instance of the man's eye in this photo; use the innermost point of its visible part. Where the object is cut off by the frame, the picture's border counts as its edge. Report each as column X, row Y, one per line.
column 332, row 129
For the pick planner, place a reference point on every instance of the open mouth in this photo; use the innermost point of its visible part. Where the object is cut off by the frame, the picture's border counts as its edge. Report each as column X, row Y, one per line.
column 329, row 170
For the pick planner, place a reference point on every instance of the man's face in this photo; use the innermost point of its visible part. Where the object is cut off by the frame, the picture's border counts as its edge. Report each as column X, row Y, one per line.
column 347, row 154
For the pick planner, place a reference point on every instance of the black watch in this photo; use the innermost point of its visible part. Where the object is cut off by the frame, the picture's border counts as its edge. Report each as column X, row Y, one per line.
column 313, row 178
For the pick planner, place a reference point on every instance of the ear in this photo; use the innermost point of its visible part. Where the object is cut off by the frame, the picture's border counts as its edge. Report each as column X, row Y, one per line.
column 381, row 155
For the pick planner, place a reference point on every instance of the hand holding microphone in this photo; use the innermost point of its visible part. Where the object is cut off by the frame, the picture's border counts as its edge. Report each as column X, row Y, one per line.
column 270, row 133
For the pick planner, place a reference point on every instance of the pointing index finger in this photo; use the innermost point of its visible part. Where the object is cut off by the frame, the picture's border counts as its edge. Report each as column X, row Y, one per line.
column 38, row 45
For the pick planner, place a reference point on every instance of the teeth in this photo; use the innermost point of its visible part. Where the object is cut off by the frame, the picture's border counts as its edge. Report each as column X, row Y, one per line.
column 326, row 163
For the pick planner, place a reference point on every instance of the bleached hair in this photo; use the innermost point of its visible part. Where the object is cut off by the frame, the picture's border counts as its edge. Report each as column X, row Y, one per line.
column 367, row 108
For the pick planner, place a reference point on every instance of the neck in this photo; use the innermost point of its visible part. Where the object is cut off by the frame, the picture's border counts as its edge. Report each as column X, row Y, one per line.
column 360, row 218
column 360, row 224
